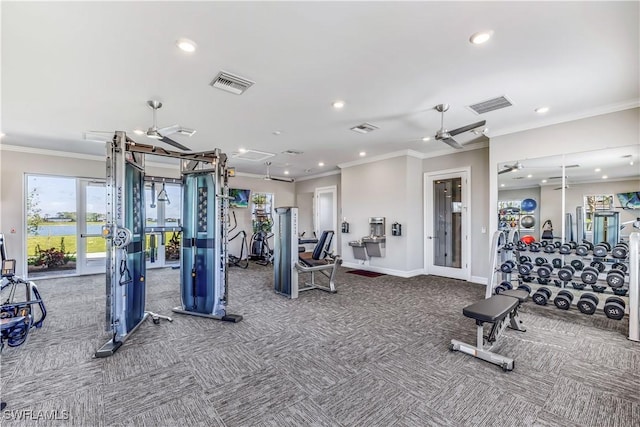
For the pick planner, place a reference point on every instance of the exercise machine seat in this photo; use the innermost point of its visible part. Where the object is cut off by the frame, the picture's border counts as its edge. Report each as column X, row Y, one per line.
column 491, row 309
column 320, row 251
column 521, row 294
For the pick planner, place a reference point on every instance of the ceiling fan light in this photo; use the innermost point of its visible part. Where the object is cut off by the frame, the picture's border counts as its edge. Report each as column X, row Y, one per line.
column 542, row 110
column 480, row 37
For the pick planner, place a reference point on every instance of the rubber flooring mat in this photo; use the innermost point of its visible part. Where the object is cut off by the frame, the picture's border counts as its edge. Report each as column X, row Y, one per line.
column 366, row 273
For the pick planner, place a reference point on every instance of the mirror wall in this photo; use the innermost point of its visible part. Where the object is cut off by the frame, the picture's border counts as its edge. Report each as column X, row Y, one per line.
column 584, row 185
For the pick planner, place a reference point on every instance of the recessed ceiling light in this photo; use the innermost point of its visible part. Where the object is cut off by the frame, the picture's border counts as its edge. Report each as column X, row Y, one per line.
column 338, row 104
column 604, row 177
column 597, row 169
column 242, row 150
column 362, row 154
column 544, row 181
column 480, row 37
column 529, row 176
column 286, row 172
column 631, row 162
column 321, row 164
column 276, row 132
column 138, row 132
column 542, row 110
column 1, row 134
column 186, row 45
column 501, row 185
column 426, row 138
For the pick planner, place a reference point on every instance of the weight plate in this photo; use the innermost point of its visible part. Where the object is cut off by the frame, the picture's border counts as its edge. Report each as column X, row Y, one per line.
column 499, row 289
column 614, row 311
column 589, row 275
column 556, row 262
column 540, row 260
column 598, row 265
column 586, row 306
column 540, row 298
column 577, row 264
column 607, row 245
column 562, row 302
column 582, row 250
column 544, row 271
column 525, row 288
column 565, row 249
column 524, row 258
column 506, row 285
column 616, row 300
column 591, row 297
column 619, row 252
column 545, row 291
column 615, row 278
column 619, row 266
column 550, row 249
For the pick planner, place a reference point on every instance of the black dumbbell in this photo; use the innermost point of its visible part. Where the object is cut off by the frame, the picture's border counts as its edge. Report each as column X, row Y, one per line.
column 573, row 245
column 620, row 292
column 619, row 266
column 528, row 279
column 534, row 247
column 615, row 278
column 525, row 268
column 583, row 248
column 598, row 265
column 614, row 308
column 563, row 299
column 578, row 285
column 544, row 271
column 599, row 289
column 565, row 249
column 577, row 265
column 620, row 251
column 601, row 249
column 524, row 258
column 589, row 275
column 556, row 262
column 550, row 249
column 544, row 243
column 588, row 303
column 503, row 287
column 507, row 266
column 521, row 246
column 540, row 260
column 541, row 296
column 525, row 288
column 566, row 273
column 543, row 281
column 508, row 246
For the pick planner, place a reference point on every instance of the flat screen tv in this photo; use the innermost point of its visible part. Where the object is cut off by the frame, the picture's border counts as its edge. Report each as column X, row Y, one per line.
column 239, row 198
column 630, row 200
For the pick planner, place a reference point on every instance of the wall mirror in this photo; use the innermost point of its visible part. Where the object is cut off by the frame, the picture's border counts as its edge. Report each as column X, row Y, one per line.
column 591, row 195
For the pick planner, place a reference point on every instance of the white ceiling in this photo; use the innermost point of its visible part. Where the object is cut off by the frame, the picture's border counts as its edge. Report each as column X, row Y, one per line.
column 76, row 66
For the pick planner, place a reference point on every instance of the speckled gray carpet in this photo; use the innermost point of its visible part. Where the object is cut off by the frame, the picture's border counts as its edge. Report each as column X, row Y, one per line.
column 374, row 354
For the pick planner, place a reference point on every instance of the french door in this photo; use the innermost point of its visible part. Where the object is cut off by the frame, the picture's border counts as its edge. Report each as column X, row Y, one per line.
column 447, row 223
column 92, row 208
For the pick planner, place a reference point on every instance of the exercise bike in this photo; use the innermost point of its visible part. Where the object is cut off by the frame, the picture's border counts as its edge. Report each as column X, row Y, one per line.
column 241, row 261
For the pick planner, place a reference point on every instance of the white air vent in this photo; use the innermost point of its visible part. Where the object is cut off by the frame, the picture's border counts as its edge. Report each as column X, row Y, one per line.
column 252, row 155
column 490, row 105
column 293, row 152
column 231, row 83
column 364, row 128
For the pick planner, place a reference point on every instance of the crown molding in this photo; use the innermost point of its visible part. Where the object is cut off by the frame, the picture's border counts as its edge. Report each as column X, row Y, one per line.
column 319, row 175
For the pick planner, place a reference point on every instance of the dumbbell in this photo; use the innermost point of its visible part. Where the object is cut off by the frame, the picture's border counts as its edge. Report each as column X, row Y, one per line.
column 556, row 262
column 614, row 308
column 566, row 273
column 589, row 275
column 588, row 303
column 620, row 292
column 525, row 268
column 508, row 246
column 541, row 296
column 550, row 249
column 528, row 279
column 544, row 243
column 619, row 266
column 578, row 285
column 577, row 265
column 507, row 266
column 563, row 299
column 521, row 246
column 540, row 260
column 503, row 287
column 583, row 248
column 620, row 251
column 615, row 278
column 525, row 288
column 601, row 249
column 599, row 289
column 565, row 249
column 598, row 265
column 534, row 247
column 524, row 258
column 544, row 271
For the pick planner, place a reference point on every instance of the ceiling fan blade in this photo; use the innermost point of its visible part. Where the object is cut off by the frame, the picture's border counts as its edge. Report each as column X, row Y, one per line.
column 507, row 170
column 271, row 178
column 452, row 142
column 467, row 128
column 169, row 130
column 174, row 143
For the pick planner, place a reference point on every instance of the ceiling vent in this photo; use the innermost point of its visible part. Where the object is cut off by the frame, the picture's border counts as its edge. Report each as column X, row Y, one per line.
column 252, row 155
column 293, row 152
column 364, row 128
column 231, row 83
column 491, row 105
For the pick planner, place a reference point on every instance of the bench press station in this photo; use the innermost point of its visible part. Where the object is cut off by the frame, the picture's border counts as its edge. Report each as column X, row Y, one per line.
column 501, row 311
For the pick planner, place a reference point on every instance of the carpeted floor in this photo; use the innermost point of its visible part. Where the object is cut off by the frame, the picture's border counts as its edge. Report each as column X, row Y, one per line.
column 374, row 354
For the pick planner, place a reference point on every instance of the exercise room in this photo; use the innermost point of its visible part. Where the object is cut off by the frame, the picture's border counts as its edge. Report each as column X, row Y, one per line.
column 320, row 213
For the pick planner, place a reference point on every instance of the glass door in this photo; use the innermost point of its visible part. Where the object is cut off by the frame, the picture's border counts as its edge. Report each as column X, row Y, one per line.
column 92, row 246
column 163, row 211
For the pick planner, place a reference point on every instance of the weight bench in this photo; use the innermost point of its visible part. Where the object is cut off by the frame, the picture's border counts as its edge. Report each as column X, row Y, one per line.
column 319, row 261
column 501, row 311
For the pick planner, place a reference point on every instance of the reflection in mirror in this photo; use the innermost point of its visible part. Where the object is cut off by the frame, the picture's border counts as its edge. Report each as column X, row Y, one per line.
column 304, row 201
column 596, row 197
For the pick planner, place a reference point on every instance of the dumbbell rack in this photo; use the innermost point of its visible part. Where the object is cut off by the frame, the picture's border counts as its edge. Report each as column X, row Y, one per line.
column 504, row 250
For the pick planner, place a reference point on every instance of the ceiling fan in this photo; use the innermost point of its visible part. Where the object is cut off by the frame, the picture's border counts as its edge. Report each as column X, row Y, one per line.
column 446, row 136
column 268, row 177
column 510, row 168
column 161, row 134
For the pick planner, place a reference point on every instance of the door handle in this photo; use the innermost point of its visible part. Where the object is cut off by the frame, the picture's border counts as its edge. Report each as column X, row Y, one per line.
column 432, row 237
column 90, row 235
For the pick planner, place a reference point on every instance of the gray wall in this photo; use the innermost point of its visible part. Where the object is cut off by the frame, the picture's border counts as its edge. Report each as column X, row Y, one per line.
column 305, row 193
column 479, row 162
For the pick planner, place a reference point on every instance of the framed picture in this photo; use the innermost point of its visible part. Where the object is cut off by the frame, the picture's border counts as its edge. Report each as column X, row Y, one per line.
column 239, row 198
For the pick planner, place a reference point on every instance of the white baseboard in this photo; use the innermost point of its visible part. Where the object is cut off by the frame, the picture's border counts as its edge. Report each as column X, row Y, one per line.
column 480, row 280
column 389, row 271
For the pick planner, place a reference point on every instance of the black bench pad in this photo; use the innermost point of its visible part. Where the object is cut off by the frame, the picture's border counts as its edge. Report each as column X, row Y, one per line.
column 521, row 294
column 491, row 309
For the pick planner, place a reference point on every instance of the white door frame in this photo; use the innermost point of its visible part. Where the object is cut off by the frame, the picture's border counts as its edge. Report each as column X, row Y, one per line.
column 82, row 267
column 463, row 273
column 333, row 189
